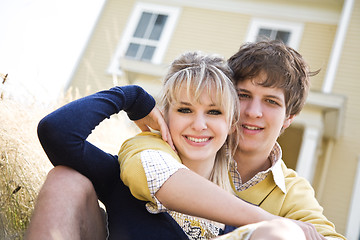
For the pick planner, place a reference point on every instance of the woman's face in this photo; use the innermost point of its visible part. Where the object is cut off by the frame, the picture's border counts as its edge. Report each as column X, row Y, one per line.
column 198, row 128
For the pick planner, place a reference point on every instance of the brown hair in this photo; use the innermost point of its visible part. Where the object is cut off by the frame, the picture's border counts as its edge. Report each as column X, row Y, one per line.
column 285, row 68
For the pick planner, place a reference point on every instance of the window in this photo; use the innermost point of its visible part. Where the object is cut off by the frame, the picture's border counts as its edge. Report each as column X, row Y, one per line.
column 147, row 34
column 289, row 33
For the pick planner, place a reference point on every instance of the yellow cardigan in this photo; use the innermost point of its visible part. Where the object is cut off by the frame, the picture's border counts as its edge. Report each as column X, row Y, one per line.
column 299, row 203
column 131, row 169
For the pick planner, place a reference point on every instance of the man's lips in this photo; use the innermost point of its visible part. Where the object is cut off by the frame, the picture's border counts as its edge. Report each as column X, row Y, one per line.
column 251, row 127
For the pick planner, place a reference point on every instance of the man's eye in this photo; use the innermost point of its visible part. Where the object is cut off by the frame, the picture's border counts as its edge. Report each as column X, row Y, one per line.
column 243, row 95
column 215, row 112
column 272, row 102
column 184, row 110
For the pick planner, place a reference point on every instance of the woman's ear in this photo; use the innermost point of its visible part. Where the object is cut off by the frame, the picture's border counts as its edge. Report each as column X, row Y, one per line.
column 288, row 121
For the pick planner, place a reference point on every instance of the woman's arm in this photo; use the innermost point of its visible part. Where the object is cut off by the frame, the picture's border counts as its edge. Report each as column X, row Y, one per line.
column 153, row 173
column 187, row 192
column 63, row 133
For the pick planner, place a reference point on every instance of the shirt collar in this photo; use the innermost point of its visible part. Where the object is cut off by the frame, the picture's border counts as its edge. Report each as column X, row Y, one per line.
column 278, row 175
column 276, row 170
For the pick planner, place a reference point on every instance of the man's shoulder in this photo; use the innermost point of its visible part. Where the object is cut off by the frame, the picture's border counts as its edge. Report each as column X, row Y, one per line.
column 292, row 178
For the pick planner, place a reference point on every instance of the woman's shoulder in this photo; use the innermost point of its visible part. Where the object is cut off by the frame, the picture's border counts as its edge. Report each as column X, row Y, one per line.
column 146, row 141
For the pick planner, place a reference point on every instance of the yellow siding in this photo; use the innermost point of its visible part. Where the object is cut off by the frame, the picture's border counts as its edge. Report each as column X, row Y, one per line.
column 209, row 31
column 316, row 46
column 92, row 71
column 341, row 174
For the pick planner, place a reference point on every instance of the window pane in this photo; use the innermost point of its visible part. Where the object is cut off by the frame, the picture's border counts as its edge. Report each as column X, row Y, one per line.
column 283, row 36
column 263, row 34
column 158, row 27
column 132, row 50
column 148, row 53
column 142, row 25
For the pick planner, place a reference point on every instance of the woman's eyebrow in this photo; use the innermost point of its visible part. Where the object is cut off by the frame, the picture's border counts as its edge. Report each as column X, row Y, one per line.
column 185, row 103
column 189, row 104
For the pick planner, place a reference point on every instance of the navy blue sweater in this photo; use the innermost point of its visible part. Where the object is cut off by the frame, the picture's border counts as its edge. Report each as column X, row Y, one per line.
column 63, row 135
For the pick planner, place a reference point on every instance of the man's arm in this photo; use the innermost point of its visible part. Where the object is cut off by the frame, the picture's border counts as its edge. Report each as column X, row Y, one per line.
column 300, row 204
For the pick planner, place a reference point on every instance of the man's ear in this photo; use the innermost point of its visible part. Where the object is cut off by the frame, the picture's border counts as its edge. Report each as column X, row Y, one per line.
column 288, row 121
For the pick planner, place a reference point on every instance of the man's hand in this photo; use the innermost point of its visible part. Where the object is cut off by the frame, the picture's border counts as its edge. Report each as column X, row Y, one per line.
column 155, row 120
column 310, row 231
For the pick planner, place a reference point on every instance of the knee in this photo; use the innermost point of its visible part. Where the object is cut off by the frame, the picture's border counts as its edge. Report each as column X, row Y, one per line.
column 64, row 181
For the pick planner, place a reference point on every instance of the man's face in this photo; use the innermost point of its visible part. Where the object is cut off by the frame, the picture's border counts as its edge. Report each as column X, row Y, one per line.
column 262, row 115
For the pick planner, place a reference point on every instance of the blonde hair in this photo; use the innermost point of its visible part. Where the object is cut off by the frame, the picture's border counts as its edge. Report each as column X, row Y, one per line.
column 210, row 74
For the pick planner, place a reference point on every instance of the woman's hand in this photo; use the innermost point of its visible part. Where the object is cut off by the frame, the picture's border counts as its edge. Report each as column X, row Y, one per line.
column 155, row 120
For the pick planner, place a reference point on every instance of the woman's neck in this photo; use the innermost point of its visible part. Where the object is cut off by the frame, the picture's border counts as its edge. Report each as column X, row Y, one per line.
column 203, row 168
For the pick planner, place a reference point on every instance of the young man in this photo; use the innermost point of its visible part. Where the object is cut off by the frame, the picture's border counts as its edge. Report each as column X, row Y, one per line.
column 272, row 81
column 266, row 109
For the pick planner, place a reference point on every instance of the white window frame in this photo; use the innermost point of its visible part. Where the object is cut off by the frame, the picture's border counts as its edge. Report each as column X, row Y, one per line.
column 171, row 12
column 295, row 29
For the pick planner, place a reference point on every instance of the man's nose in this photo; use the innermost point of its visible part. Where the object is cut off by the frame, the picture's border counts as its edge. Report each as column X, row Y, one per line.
column 253, row 108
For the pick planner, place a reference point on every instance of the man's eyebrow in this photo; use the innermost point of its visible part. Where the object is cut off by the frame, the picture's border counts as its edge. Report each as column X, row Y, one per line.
column 242, row 90
column 268, row 96
column 274, row 96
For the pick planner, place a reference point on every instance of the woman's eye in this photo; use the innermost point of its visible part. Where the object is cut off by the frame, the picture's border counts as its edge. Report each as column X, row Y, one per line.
column 215, row 112
column 184, row 110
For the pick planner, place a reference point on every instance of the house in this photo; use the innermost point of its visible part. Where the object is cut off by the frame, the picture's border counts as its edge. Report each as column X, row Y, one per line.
column 134, row 41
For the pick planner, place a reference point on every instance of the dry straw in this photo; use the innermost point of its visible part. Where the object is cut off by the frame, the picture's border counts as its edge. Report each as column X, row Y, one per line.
column 24, row 165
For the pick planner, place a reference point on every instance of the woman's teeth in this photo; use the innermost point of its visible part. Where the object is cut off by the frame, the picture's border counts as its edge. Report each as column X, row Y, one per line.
column 197, row 140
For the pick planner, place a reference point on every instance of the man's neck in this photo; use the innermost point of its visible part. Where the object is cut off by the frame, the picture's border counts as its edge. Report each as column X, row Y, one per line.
column 248, row 164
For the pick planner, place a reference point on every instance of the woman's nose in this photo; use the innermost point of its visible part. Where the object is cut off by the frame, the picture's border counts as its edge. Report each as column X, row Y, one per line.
column 199, row 122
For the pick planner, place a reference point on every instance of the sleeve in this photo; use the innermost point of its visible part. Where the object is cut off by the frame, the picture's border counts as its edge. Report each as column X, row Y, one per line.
column 146, row 162
column 241, row 233
column 63, row 133
column 300, row 204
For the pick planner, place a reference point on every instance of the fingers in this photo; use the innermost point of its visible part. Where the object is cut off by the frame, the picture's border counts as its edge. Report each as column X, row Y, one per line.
column 143, row 127
column 166, row 136
column 155, row 120
column 310, row 231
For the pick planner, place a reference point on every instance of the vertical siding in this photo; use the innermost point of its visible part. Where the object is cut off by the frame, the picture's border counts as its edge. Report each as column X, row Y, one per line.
column 209, row 31
column 91, row 74
column 344, row 158
column 316, row 46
